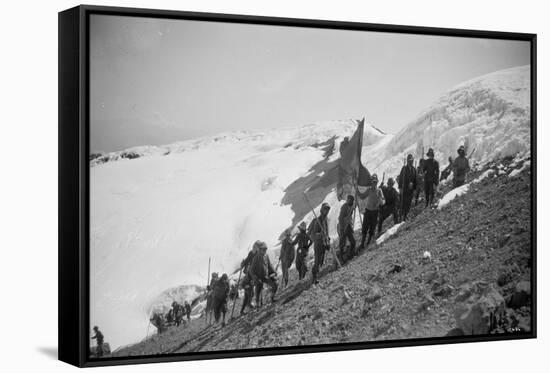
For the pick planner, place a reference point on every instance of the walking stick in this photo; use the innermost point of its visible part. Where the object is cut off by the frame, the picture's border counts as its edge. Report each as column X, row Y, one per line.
column 207, row 293
column 402, row 189
column 235, row 300
column 325, row 234
column 208, row 278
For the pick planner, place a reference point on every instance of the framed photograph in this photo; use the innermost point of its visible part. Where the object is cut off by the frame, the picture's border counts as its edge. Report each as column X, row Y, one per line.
column 234, row 186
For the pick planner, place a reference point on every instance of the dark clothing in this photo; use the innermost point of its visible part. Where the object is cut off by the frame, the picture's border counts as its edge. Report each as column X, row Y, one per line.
column 319, row 249
column 318, row 230
column 370, row 218
column 301, row 265
column 390, row 208
column 286, row 257
column 391, row 196
column 431, row 179
column 345, row 231
column 245, row 264
column 407, row 184
column 406, row 205
column 261, row 267
column 429, row 191
column 188, row 311
column 287, row 251
column 261, row 271
column 219, row 299
column 347, row 235
column 419, row 184
column 304, row 242
column 158, row 321
column 460, row 168
column 407, row 179
column 431, row 171
column 248, row 287
column 178, row 312
column 271, row 282
column 345, row 218
column 99, row 337
column 233, row 292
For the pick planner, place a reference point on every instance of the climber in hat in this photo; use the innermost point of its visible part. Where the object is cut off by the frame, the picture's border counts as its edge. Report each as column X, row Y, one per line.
column 430, row 170
column 99, row 340
column 407, row 185
column 374, row 199
column 318, row 231
column 460, row 167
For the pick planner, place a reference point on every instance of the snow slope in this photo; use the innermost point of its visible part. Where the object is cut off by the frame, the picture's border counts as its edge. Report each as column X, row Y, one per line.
column 158, row 215
column 159, row 212
column 490, row 114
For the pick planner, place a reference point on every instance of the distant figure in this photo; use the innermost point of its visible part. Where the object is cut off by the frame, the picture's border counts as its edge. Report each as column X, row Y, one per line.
column 318, row 231
column 419, row 181
column 178, row 311
column 287, row 254
column 220, row 291
column 170, row 316
column 99, row 340
column 209, row 306
column 262, row 272
column 431, row 177
column 345, row 229
column 304, row 242
column 158, row 322
column 247, row 283
column 460, row 168
column 447, row 171
column 187, row 307
column 212, row 281
column 374, row 200
column 407, row 185
column 391, row 207
column 233, row 292
column 343, row 145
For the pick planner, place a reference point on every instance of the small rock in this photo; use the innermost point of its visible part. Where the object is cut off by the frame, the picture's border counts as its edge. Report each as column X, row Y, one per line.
column 444, row 290
column 482, row 312
column 317, row 315
column 346, row 298
column 502, row 241
column 521, row 296
column 430, row 276
column 456, row 332
column 504, row 278
column 426, row 304
column 373, row 294
column 395, row 269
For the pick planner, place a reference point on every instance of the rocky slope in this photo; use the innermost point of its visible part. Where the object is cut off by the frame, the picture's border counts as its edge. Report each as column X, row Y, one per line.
column 475, row 281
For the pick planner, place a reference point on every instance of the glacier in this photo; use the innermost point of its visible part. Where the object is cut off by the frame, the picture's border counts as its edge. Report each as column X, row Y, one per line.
column 157, row 213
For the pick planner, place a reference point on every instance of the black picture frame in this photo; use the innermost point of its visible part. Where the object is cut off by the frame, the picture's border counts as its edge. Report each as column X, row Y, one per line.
column 73, row 179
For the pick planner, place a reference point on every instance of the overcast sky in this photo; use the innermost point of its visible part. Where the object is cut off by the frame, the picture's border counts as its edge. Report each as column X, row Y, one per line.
column 157, row 81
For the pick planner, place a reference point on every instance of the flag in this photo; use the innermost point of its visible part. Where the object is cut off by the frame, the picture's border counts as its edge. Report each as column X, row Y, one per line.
column 351, row 171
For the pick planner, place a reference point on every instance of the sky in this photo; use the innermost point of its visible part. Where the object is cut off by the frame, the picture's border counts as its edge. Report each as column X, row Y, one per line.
column 158, row 81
